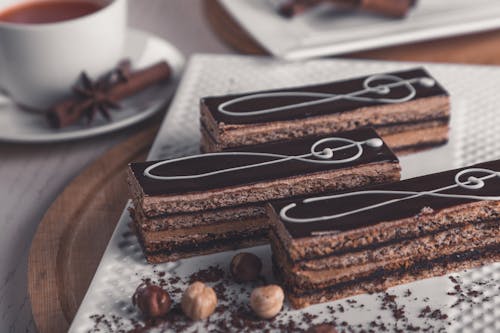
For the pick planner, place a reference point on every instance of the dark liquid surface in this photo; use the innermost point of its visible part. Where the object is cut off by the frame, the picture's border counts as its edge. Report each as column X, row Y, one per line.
column 38, row 12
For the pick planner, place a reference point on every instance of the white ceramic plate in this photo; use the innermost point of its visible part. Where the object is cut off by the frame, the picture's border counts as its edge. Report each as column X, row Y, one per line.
column 17, row 125
column 322, row 32
column 475, row 137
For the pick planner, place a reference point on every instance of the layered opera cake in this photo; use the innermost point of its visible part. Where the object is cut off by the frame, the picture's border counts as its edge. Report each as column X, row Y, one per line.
column 409, row 109
column 213, row 202
column 337, row 245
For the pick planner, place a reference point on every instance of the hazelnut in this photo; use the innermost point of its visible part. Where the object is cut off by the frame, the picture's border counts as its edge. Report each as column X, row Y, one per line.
column 322, row 328
column 198, row 301
column 267, row 301
column 245, row 267
column 152, row 300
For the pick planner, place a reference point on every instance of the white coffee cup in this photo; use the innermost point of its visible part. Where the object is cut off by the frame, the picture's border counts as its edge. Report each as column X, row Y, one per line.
column 40, row 63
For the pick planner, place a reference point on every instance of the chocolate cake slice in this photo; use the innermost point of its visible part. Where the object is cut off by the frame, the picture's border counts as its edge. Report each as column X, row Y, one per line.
column 174, row 236
column 389, row 8
column 169, row 245
column 333, row 246
column 410, row 109
column 214, row 202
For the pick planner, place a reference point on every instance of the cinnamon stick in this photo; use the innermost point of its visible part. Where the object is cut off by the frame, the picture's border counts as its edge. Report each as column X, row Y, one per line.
column 71, row 110
column 392, row 8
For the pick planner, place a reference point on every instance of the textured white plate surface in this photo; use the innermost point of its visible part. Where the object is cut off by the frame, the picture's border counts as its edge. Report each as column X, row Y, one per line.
column 475, row 137
column 143, row 49
column 323, row 32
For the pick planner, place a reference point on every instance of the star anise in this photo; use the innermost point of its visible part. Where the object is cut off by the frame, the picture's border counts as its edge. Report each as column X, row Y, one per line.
column 96, row 94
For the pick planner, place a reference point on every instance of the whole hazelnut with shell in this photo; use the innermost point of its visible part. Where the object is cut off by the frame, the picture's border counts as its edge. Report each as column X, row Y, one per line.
column 245, row 267
column 267, row 301
column 152, row 300
column 198, row 301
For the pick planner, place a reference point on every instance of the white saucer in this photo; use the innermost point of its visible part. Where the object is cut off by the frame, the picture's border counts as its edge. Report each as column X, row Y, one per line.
column 143, row 49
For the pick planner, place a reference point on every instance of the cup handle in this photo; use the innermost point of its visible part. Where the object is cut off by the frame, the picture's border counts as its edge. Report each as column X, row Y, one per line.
column 4, row 95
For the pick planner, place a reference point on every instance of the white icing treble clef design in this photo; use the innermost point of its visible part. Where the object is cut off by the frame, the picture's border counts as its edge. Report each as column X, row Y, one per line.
column 321, row 98
column 472, row 183
column 325, row 156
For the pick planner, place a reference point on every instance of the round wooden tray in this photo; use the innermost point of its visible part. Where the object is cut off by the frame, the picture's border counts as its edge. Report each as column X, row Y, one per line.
column 74, row 232
column 479, row 48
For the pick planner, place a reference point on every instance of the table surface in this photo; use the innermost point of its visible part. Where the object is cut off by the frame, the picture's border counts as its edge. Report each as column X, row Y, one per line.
column 31, row 176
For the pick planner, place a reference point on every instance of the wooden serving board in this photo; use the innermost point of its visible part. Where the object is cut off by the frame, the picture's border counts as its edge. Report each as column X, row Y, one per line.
column 74, row 232
column 479, row 48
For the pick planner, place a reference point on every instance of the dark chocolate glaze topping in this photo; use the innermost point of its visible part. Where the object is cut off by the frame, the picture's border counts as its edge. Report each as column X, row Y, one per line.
column 337, row 106
column 291, row 168
column 391, row 212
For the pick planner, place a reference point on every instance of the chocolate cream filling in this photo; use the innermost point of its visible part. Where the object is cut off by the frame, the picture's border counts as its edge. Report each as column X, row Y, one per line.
column 228, row 240
column 197, row 219
column 200, row 233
